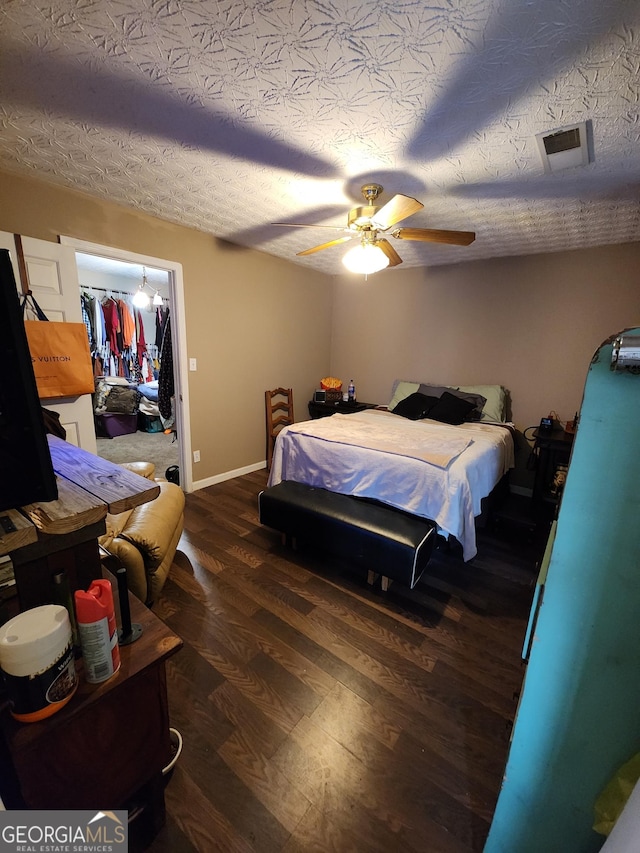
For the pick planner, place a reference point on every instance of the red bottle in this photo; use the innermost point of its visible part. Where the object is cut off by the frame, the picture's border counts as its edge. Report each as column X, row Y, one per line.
column 96, row 620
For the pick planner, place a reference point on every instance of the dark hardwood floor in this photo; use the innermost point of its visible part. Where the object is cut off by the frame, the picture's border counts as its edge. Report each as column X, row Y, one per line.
column 321, row 714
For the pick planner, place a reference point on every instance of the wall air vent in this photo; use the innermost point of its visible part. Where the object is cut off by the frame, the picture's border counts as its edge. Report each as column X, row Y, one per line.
column 564, row 148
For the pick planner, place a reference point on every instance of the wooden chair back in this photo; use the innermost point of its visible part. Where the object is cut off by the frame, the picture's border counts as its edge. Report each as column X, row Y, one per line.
column 279, row 412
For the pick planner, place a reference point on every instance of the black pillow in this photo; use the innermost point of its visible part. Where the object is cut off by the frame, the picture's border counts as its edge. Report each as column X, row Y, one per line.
column 477, row 399
column 450, row 409
column 415, row 406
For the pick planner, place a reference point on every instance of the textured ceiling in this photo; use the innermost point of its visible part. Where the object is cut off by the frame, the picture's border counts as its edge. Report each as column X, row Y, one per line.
column 124, row 274
column 228, row 116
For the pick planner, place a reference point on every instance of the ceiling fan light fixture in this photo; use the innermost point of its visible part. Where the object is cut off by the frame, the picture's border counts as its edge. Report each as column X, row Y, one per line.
column 360, row 217
column 375, row 252
column 365, row 259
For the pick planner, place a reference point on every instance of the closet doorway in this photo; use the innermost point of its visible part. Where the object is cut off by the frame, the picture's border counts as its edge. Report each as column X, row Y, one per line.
column 141, row 427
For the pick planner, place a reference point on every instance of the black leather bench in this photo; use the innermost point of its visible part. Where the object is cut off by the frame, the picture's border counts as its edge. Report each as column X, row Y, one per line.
column 386, row 541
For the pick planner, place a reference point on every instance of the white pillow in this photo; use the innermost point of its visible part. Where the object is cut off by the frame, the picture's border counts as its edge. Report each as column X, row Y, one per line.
column 401, row 391
column 495, row 407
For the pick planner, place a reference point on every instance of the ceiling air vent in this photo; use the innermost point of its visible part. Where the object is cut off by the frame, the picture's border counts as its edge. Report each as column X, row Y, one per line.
column 564, row 148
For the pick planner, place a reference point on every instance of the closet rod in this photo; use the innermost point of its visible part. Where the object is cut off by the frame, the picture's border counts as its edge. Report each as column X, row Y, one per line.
column 89, row 288
column 112, row 290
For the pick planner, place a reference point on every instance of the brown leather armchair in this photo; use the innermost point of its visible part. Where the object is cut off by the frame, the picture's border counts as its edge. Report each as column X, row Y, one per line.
column 145, row 539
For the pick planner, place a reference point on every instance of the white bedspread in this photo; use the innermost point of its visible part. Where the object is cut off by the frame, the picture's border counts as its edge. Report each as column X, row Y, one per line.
column 340, row 453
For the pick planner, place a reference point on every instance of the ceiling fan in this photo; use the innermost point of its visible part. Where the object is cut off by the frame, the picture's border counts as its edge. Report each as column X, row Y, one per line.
column 375, row 252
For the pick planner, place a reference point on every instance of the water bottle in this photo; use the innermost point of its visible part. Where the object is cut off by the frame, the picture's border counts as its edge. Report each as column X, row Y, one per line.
column 352, row 391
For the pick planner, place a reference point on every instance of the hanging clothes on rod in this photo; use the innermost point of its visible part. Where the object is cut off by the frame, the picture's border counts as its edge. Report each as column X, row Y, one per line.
column 93, row 318
column 166, row 389
column 117, row 337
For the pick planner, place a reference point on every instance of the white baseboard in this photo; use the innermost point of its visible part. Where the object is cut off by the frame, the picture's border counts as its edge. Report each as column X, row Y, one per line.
column 227, row 475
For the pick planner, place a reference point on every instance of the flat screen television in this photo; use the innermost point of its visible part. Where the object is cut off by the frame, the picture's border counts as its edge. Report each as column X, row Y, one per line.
column 26, row 471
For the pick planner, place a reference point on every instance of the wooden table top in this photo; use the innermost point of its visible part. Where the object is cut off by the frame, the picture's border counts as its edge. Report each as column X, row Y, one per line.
column 88, row 488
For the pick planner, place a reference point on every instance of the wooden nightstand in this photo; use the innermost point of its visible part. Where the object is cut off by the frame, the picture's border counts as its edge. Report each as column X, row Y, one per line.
column 552, row 449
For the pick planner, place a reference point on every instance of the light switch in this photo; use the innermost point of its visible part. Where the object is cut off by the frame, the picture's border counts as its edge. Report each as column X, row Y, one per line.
column 193, row 364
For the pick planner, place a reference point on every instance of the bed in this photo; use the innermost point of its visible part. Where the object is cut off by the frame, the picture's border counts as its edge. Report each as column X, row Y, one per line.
column 420, row 464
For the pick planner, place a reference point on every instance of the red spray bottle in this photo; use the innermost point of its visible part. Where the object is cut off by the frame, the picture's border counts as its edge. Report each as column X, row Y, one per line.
column 96, row 620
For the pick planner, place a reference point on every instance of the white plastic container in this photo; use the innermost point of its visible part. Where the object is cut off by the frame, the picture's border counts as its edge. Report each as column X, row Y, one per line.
column 36, row 656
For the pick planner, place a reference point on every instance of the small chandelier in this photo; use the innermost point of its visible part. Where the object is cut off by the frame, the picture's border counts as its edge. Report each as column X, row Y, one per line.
column 366, row 258
column 140, row 298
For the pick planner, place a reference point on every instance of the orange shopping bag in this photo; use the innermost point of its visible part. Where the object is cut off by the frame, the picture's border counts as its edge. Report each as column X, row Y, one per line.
column 60, row 356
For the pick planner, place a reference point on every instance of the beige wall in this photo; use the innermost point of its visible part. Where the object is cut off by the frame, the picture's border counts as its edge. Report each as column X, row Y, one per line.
column 528, row 323
column 253, row 321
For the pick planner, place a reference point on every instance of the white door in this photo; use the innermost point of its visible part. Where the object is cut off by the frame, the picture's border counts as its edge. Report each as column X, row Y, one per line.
column 178, row 338
column 53, row 278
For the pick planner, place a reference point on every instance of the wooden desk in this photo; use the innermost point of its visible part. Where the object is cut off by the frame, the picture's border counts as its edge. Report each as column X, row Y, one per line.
column 106, row 749
column 61, row 535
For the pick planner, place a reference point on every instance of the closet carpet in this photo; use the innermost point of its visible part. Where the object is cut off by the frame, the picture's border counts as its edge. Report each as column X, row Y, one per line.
column 140, row 446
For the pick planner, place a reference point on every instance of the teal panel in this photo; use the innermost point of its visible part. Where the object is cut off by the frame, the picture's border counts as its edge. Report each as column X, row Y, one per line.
column 579, row 716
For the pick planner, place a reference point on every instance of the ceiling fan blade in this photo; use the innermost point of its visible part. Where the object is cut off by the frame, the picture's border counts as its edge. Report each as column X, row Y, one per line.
column 430, row 235
column 325, row 245
column 390, row 252
column 397, row 208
